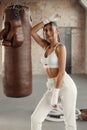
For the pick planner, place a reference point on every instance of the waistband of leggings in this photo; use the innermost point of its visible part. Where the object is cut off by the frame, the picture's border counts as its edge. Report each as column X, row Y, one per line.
column 54, row 78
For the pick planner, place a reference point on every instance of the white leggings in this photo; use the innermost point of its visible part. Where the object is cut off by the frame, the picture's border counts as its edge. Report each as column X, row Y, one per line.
column 68, row 96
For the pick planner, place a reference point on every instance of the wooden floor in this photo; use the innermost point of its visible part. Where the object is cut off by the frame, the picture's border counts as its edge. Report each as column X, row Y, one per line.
column 15, row 113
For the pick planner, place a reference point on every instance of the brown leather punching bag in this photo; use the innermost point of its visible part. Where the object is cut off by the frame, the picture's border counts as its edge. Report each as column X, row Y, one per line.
column 17, row 65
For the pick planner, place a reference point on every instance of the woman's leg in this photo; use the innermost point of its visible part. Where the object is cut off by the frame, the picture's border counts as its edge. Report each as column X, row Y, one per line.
column 41, row 111
column 68, row 100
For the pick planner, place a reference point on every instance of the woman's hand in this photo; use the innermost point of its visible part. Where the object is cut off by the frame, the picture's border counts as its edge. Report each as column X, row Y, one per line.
column 53, row 18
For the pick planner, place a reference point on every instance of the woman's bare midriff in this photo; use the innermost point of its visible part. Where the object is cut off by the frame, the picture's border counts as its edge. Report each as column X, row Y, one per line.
column 51, row 72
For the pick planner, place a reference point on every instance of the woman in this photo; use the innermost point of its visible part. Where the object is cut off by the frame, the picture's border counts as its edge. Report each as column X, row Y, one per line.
column 59, row 83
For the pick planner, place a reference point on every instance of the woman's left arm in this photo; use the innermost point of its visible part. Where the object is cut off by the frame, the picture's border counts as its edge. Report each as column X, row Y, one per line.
column 61, row 52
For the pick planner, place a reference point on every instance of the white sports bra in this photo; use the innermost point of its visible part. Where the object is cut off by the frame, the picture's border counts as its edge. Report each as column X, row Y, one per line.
column 51, row 61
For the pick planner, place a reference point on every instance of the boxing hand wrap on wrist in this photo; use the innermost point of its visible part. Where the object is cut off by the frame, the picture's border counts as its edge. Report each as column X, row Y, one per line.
column 50, row 86
column 53, row 18
column 46, row 21
column 54, row 99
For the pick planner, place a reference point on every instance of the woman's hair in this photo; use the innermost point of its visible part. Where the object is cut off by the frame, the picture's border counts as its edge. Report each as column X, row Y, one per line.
column 53, row 24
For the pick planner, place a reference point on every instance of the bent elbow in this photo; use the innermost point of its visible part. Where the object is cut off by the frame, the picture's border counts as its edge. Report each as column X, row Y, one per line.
column 32, row 32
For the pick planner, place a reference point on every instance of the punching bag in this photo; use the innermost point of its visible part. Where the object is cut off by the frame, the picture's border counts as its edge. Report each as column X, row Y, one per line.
column 16, row 41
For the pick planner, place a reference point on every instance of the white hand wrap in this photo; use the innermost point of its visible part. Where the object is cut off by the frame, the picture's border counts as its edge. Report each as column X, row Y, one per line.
column 53, row 18
column 54, row 99
column 50, row 86
column 46, row 21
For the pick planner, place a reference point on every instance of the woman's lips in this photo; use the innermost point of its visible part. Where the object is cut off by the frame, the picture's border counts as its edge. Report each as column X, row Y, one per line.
column 49, row 37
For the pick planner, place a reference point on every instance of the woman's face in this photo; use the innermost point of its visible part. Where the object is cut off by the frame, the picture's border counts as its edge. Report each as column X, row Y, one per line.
column 51, row 32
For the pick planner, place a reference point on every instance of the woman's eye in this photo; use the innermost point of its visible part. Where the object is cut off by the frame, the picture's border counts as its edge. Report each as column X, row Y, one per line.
column 45, row 30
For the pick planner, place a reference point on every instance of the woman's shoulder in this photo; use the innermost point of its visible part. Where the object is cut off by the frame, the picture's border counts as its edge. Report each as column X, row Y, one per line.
column 60, row 48
column 61, row 45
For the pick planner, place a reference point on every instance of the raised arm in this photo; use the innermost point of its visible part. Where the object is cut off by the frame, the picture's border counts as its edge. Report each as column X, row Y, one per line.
column 36, row 28
column 36, row 37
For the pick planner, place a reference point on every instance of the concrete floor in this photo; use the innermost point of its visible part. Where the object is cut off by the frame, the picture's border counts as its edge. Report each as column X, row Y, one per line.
column 15, row 112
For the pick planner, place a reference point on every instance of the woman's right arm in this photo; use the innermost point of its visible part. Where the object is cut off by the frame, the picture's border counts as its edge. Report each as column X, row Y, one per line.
column 36, row 37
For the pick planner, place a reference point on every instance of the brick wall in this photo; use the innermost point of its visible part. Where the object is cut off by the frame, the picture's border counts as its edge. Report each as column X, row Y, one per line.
column 72, row 15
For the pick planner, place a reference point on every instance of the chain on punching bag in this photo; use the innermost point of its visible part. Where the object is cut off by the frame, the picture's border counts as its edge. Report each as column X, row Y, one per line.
column 17, row 67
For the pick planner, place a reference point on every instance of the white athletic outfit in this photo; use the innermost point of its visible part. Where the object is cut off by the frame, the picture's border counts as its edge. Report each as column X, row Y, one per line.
column 67, row 96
